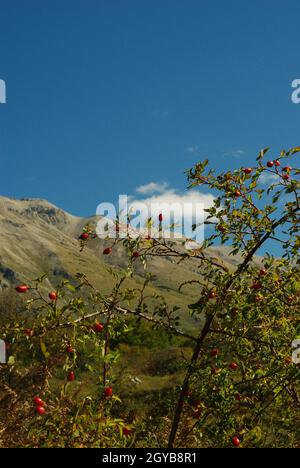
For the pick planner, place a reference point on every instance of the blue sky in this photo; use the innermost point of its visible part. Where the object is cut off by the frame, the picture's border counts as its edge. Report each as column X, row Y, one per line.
column 106, row 96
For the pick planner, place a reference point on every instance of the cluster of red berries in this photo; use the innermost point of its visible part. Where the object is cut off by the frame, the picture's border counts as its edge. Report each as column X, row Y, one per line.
column 286, row 169
column 257, row 285
column 84, row 236
column 108, row 251
column 71, row 375
column 273, row 163
column 197, row 411
column 270, row 165
column 39, row 405
column 195, row 404
column 23, row 288
column 214, row 370
column 233, row 366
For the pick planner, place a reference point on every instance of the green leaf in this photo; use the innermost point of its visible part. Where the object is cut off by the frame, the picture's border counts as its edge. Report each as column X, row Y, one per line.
column 11, row 360
column 262, row 153
column 295, row 150
column 44, row 350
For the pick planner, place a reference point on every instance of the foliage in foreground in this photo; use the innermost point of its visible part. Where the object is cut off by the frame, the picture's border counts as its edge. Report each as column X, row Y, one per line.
column 238, row 387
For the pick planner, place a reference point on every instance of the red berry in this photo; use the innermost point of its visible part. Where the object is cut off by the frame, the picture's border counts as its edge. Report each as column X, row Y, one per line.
column 38, row 401
column 135, row 254
column 263, row 271
column 53, row 296
column 233, row 366
column 277, row 163
column 287, row 169
column 197, row 414
column 212, row 294
column 248, row 170
column 98, row 327
column 215, row 352
column 214, row 370
column 286, row 177
column 70, row 350
column 270, row 163
column 256, row 286
column 108, row 392
column 28, row 331
column 160, row 217
column 84, row 236
column 221, row 228
column 127, row 431
column 236, row 442
column 237, row 193
column 238, row 397
column 71, row 376
column 40, row 410
column 107, row 251
column 22, row 288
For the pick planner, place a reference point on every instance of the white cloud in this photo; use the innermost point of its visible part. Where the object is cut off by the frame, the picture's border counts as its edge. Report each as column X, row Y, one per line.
column 171, row 196
column 193, row 149
column 237, row 153
column 267, row 178
column 152, row 187
column 182, row 209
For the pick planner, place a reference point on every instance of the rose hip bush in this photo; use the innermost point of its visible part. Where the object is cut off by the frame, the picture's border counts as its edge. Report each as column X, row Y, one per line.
column 241, row 386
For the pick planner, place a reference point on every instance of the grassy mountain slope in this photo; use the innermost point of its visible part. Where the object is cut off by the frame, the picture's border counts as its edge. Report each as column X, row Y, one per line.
column 38, row 238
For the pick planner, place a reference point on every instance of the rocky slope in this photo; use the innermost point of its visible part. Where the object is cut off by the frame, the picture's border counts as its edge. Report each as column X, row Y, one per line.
column 37, row 238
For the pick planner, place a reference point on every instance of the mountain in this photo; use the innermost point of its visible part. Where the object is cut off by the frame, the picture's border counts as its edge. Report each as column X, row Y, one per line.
column 37, row 238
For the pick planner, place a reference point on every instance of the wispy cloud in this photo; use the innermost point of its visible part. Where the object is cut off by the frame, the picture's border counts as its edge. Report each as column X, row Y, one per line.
column 152, row 187
column 236, row 153
column 160, row 113
column 193, row 149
